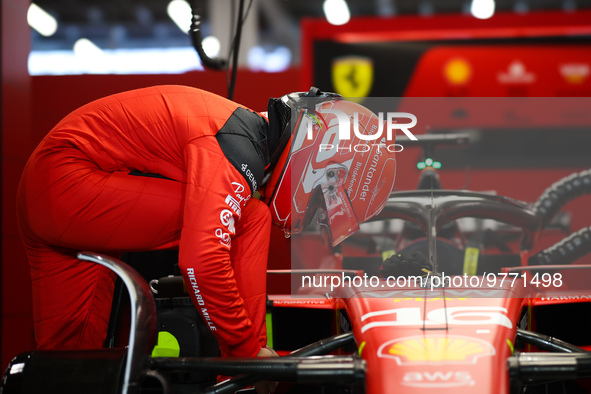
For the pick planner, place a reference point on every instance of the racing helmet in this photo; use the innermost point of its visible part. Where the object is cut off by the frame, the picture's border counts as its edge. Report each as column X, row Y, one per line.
column 339, row 159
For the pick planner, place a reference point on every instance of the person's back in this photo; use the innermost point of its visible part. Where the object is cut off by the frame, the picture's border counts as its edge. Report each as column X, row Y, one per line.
column 145, row 130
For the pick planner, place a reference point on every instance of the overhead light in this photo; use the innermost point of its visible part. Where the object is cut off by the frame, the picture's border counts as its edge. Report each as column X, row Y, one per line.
column 86, row 52
column 211, row 46
column 278, row 60
column 41, row 20
column 86, row 48
column 115, row 61
column 482, row 9
column 336, row 12
column 271, row 61
column 180, row 13
column 256, row 58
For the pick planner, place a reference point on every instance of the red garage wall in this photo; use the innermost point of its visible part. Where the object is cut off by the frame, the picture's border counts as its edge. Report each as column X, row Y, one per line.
column 16, row 142
column 53, row 97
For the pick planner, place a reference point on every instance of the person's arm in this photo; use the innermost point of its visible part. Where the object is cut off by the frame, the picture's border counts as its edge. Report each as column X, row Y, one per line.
column 212, row 207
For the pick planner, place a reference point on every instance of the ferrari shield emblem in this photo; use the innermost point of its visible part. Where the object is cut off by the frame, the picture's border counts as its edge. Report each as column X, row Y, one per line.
column 352, row 77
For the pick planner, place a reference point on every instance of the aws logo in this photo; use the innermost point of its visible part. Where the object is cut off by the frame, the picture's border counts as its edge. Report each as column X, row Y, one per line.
column 437, row 379
column 436, row 349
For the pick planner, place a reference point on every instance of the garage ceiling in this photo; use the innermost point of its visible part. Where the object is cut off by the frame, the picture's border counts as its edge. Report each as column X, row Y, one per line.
column 117, row 24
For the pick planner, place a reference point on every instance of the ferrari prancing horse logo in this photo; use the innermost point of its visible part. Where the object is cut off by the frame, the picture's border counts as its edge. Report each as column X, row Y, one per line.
column 352, row 77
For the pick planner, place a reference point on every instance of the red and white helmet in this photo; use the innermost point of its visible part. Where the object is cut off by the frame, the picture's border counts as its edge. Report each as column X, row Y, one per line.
column 338, row 159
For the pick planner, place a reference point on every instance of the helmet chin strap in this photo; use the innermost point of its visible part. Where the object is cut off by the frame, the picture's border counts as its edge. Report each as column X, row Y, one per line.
column 266, row 178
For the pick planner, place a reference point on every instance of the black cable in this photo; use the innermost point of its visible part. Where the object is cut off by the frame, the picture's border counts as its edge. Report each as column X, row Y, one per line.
column 197, row 38
column 116, row 305
column 115, row 314
column 232, row 34
column 236, row 46
column 219, row 63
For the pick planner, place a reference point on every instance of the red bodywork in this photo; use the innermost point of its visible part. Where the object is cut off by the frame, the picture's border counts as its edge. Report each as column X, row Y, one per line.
column 454, row 340
column 410, row 348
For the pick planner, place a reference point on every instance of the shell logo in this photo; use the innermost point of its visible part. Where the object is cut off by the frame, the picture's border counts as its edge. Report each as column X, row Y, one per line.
column 457, row 71
column 436, row 350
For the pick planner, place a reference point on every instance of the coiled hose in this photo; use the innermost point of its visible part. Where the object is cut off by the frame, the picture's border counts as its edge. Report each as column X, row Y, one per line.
column 560, row 193
column 550, row 202
column 566, row 251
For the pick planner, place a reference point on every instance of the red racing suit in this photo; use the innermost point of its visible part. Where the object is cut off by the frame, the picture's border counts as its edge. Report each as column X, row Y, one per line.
column 77, row 193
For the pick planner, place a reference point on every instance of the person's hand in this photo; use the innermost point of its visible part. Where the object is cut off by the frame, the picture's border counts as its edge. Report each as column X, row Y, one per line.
column 265, row 386
column 267, row 352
